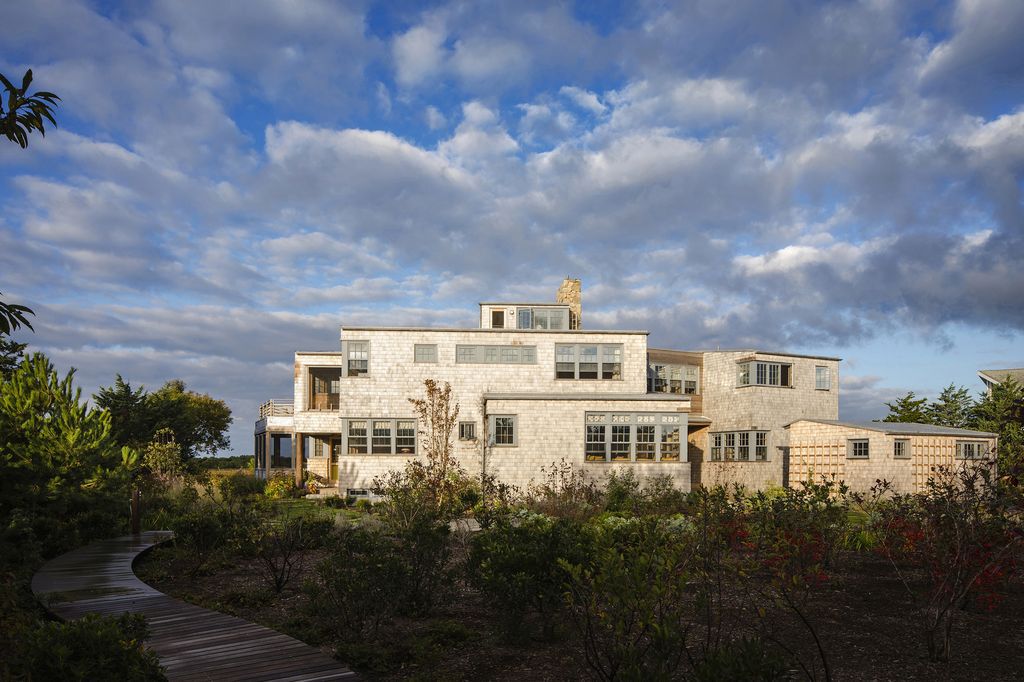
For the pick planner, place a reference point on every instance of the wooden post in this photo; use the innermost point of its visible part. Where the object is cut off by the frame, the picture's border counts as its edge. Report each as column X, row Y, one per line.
column 299, row 442
column 136, row 520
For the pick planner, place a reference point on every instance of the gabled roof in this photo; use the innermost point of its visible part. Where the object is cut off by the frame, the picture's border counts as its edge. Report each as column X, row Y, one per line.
column 902, row 428
column 998, row 376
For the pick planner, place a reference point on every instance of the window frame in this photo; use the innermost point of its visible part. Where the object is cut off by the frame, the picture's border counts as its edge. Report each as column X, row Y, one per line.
column 333, row 406
column 744, row 445
column 601, row 367
column 495, row 312
column 467, row 426
column 822, row 371
column 492, row 426
column 368, row 437
column 899, row 452
column 980, row 449
column 612, row 426
column 855, row 444
column 494, row 354
column 684, row 372
column 428, row 356
column 763, row 372
column 362, row 346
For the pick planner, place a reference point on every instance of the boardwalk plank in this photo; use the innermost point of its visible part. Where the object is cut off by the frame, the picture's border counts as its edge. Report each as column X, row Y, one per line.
column 192, row 643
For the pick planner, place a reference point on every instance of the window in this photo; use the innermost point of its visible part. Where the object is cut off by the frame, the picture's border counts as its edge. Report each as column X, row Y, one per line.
column 425, row 352
column 822, row 378
column 765, row 374
column 690, row 384
column 525, row 318
column 678, row 379
column 971, row 449
column 467, row 430
column 635, row 436
column 357, row 437
column 901, row 448
column 503, row 428
column 586, row 361
column 324, row 388
column 497, row 319
column 858, row 448
column 358, row 358
column 738, row 446
column 380, row 436
column 495, row 355
column 543, row 318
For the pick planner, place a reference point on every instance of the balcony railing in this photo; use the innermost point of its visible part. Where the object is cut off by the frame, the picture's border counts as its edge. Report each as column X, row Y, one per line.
column 277, row 408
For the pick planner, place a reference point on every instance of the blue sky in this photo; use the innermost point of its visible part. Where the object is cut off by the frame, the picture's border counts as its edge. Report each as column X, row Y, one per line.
column 231, row 181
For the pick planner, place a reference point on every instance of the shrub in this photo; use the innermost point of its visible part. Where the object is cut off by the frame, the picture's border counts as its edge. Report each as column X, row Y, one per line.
column 962, row 533
column 424, row 552
column 240, row 485
column 279, row 487
column 92, row 648
column 199, row 534
column 565, row 493
column 515, row 565
column 747, row 659
column 364, row 505
column 282, row 550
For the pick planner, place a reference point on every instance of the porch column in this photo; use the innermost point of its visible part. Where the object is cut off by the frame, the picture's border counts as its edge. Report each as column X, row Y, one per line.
column 299, row 443
column 268, row 454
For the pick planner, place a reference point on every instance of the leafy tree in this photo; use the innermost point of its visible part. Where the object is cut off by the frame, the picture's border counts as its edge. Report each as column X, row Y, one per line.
column 908, row 409
column 11, row 354
column 1001, row 411
column 25, row 113
column 198, row 422
column 954, row 407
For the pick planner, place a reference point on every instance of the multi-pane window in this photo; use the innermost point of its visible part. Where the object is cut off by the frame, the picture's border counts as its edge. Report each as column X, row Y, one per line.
column 543, row 318
column 858, row 448
column 971, row 449
column 358, row 358
column 379, row 436
column 764, row 374
column 504, row 429
column 822, row 378
column 325, row 388
column 635, row 436
column 381, row 444
column 588, row 361
column 489, row 354
column 467, row 430
column 425, row 352
column 901, row 448
column 739, row 446
column 678, row 379
column 357, row 437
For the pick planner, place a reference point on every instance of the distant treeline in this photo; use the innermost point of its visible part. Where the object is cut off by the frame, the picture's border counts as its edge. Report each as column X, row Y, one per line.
column 232, row 462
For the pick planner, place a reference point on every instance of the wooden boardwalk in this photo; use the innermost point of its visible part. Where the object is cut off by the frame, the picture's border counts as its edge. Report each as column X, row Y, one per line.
column 193, row 643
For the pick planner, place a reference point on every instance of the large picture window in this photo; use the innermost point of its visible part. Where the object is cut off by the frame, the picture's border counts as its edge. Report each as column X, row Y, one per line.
column 966, row 449
column 764, row 374
column 632, row 437
column 543, row 318
column 588, row 361
column 739, row 446
column 497, row 355
column 380, row 436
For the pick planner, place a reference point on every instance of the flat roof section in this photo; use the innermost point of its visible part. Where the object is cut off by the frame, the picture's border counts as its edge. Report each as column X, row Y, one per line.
column 767, row 352
column 902, row 428
column 495, row 331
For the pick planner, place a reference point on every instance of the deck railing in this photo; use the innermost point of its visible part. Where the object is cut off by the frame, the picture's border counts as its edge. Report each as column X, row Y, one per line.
column 277, row 408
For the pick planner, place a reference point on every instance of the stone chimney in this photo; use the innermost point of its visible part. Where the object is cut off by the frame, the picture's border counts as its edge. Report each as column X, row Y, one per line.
column 571, row 292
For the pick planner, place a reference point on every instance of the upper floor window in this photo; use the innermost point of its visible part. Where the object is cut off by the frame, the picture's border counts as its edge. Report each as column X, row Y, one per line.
column 765, row 374
column 503, row 355
column 324, row 388
column 679, row 379
column 358, row 358
column 425, row 352
column 543, row 318
column 971, row 449
column 588, row 361
column 497, row 319
column 822, row 378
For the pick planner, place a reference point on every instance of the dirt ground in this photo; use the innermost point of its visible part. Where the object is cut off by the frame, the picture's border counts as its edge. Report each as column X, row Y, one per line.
column 864, row 617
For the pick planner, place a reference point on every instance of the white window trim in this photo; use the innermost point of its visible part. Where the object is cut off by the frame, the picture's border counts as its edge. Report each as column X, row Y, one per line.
column 717, row 453
column 661, row 421
column 470, row 424
column 600, row 360
column 369, row 437
column 492, row 430
column 851, row 446
column 752, row 370
column 907, row 454
column 346, row 351
column 981, row 446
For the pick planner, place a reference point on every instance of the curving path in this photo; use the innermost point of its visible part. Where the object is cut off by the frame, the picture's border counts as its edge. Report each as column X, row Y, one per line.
column 193, row 643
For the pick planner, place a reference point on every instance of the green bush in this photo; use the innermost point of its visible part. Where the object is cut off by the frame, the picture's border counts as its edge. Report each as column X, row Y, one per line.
column 515, row 565
column 200, row 535
column 240, row 485
column 279, row 487
column 747, row 659
column 424, row 552
column 92, row 648
column 364, row 505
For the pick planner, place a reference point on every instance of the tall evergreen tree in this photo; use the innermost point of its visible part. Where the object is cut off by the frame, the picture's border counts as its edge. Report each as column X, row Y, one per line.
column 1001, row 410
column 131, row 423
column 954, row 407
column 11, row 354
column 908, row 409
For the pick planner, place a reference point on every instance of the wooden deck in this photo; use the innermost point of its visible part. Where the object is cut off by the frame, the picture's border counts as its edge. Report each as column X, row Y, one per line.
column 193, row 643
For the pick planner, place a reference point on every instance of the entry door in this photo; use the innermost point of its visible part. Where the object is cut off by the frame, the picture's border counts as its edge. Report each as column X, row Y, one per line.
column 335, row 443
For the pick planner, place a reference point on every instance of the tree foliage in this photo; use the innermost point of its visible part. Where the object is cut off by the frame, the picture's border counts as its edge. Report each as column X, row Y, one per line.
column 198, row 422
column 11, row 354
column 954, row 407
column 908, row 408
column 1001, row 411
column 25, row 113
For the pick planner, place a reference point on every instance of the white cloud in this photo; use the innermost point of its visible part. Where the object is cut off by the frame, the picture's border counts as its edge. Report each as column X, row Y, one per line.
column 419, row 54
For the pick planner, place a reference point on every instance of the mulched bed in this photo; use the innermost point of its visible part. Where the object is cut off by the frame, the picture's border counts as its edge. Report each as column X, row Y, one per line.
column 864, row 617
